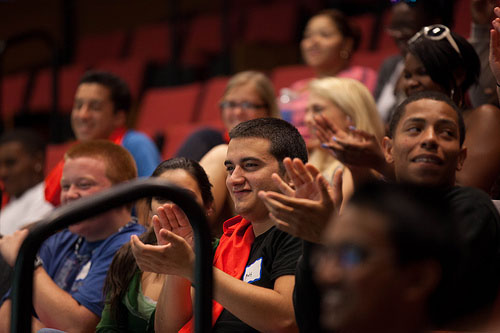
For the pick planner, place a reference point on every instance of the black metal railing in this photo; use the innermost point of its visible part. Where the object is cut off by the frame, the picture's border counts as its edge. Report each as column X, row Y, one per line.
column 87, row 207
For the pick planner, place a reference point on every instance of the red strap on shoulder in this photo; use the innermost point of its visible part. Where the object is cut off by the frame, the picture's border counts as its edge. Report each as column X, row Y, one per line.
column 231, row 257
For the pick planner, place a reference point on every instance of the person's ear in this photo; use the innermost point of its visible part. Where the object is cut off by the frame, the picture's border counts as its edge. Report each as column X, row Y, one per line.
column 461, row 158
column 421, row 279
column 210, row 209
column 387, row 145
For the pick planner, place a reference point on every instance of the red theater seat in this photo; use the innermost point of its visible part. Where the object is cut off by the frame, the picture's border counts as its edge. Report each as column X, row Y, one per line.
column 13, row 91
column 163, row 107
column 176, row 135
column 285, row 76
column 94, row 48
column 41, row 97
column 152, row 43
column 54, row 153
column 271, row 23
column 130, row 70
column 203, row 39
column 211, row 96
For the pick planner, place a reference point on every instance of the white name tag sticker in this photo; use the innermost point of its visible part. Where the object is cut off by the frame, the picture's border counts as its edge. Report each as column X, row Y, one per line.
column 253, row 271
column 84, row 271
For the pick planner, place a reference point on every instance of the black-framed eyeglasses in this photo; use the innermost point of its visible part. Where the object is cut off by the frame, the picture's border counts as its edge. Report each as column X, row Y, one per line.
column 243, row 105
column 436, row 32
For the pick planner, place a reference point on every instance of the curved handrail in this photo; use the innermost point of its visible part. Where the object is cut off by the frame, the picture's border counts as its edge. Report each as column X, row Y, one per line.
column 87, row 207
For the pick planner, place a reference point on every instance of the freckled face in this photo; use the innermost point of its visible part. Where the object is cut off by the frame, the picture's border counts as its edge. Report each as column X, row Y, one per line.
column 82, row 177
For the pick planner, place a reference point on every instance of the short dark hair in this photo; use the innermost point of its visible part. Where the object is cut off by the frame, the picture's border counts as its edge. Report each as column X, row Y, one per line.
column 442, row 62
column 119, row 90
column 194, row 169
column 420, row 227
column 31, row 142
column 285, row 140
column 434, row 95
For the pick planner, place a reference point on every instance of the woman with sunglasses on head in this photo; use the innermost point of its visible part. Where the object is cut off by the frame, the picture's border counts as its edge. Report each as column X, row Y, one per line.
column 441, row 60
column 131, row 293
column 248, row 95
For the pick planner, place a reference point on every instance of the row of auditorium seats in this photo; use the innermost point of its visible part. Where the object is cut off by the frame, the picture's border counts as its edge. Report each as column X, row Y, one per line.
column 189, row 106
column 128, row 54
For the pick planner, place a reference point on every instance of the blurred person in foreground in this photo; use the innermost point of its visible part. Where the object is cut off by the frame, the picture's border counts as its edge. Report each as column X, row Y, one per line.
column 389, row 262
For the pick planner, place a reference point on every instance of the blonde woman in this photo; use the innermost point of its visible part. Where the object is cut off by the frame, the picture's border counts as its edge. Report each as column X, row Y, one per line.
column 348, row 106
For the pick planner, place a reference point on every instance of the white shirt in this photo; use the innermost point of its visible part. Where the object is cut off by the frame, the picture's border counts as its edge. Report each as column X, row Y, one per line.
column 31, row 206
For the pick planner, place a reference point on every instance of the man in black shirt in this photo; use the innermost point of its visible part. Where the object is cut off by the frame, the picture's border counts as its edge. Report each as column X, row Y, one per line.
column 425, row 140
column 254, row 262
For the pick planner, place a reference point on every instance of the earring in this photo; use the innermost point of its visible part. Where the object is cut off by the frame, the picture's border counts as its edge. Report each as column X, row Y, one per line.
column 344, row 54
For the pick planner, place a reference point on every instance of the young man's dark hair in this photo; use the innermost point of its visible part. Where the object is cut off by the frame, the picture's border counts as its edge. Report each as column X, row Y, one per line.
column 421, row 226
column 433, row 95
column 285, row 140
column 120, row 93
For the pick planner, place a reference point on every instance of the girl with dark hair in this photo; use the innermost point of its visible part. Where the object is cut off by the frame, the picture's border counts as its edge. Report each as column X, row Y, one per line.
column 440, row 60
column 132, row 294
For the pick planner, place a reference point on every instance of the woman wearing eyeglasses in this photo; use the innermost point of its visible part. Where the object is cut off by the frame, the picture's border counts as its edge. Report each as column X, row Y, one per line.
column 441, row 60
column 248, row 95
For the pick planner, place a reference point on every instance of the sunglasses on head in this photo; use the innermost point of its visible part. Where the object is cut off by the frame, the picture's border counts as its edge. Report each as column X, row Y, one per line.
column 436, row 32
